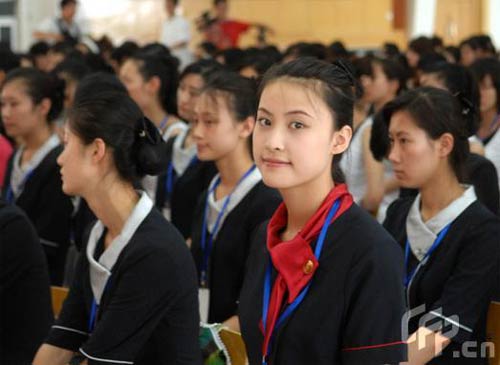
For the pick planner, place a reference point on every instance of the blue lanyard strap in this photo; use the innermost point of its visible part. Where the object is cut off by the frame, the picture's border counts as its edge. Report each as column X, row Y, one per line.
column 163, row 123
column 172, row 177
column 298, row 300
column 435, row 245
column 206, row 247
column 94, row 309
column 9, row 194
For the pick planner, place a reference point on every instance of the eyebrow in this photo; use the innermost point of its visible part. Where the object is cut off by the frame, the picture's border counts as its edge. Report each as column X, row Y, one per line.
column 287, row 113
column 398, row 133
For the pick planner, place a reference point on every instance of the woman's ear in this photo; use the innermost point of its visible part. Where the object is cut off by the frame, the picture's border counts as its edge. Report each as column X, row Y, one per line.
column 98, row 150
column 45, row 106
column 153, row 85
column 246, row 127
column 446, row 143
column 341, row 140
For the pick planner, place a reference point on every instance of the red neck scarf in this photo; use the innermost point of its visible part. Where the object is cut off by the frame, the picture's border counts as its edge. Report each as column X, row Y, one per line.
column 294, row 260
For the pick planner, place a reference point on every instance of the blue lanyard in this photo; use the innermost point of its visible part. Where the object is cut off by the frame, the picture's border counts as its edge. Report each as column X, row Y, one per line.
column 95, row 308
column 435, row 245
column 9, row 195
column 206, row 247
column 171, row 177
column 298, row 300
column 163, row 124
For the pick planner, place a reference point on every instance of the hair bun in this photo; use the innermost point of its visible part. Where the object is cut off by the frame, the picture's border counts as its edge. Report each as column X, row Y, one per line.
column 151, row 149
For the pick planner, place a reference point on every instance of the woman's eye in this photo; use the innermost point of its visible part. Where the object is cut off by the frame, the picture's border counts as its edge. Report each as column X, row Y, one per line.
column 391, row 141
column 264, row 122
column 297, row 125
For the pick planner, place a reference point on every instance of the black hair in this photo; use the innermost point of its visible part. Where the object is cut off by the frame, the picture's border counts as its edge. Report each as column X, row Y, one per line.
column 460, row 81
column 488, row 66
column 64, row 3
column 136, row 144
column 454, row 52
column 8, row 61
column 393, row 70
column 240, row 92
column 429, row 59
column 75, row 69
column 98, row 81
column 175, row 2
column 124, row 51
column 421, row 45
column 202, row 68
column 156, row 49
column 39, row 49
column 391, row 49
column 481, row 42
column 96, row 63
column 217, row 2
column 64, row 48
column 303, row 49
column 258, row 60
column 437, row 112
column 209, row 48
column 40, row 85
column 338, row 50
column 337, row 89
column 157, row 63
column 234, row 58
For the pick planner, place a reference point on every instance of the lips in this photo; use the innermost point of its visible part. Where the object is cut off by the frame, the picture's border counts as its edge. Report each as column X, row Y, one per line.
column 274, row 162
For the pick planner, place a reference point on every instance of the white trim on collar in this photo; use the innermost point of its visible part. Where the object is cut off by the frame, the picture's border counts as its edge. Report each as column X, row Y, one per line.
column 421, row 235
column 100, row 270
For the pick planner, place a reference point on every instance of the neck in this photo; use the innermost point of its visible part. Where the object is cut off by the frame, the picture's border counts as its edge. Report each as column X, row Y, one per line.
column 486, row 119
column 155, row 113
column 37, row 138
column 303, row 201
column 438, row 193
column 112, row 203
column 232, row 166
column 379, row 104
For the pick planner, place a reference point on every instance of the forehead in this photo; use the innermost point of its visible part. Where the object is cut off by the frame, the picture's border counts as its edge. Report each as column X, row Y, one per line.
column 284, row 95
column 402, row 121
column 15, row 87
column 192, row 80
column 210, row 102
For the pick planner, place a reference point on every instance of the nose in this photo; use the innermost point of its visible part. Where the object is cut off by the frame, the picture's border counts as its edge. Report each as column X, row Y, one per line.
column 275, row 139
column 60, row 158
column 393, row 153
column 196, row 130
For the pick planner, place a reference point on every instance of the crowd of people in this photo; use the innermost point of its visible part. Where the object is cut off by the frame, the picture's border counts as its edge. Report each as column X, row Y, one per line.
column 333, row 207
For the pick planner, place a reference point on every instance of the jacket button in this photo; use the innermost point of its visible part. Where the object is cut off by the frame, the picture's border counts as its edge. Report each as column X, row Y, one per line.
column 308, row 267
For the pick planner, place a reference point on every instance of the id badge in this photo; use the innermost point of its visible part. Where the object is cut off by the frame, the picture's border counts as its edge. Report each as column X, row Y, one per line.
column 204, row 300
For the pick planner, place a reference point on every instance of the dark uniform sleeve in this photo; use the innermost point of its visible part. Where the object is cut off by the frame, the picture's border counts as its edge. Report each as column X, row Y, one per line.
column 135, row 309
column 473, row 278
column 70, row 329
column 375, row 307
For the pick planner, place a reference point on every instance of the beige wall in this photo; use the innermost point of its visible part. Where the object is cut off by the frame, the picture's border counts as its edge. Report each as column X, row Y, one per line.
column 359, row 23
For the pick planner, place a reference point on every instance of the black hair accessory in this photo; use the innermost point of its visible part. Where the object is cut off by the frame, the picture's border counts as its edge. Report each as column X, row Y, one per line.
column 147, row 131
column 467, row 107
column 348, row 72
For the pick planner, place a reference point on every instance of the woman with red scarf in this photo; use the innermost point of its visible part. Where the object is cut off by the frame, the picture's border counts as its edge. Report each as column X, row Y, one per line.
column 324, row 283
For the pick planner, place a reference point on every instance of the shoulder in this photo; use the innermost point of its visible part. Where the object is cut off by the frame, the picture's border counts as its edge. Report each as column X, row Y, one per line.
column 16, row 231
column 477, row 162
column 477, row 218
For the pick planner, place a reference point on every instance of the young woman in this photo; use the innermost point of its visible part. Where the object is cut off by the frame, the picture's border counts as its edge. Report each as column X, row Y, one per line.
column 487, row 72
column 31, row 100
column 371, row 182
column 449, row 238
column 25, row 313
column 324, row 280
column 151, row 78
column 134, row 297
column 178, row 190
column 236, row 201
column 479, row 171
